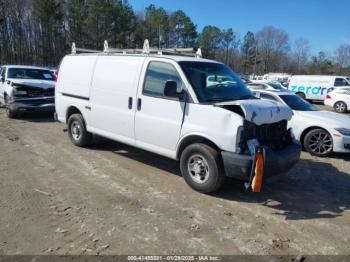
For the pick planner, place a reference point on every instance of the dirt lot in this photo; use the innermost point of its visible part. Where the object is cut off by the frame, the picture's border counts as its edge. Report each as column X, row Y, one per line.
column 112, row 199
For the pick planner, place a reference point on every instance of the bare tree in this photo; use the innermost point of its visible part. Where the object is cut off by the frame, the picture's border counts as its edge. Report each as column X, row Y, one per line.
column 342, row 57
column 273, row 47
column 301, row 54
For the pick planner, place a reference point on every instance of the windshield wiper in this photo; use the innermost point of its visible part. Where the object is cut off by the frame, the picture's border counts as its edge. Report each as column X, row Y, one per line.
column 219, row 99
column 247, row 97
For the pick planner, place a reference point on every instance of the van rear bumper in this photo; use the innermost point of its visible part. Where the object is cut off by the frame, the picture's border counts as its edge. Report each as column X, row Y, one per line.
column 239, row 166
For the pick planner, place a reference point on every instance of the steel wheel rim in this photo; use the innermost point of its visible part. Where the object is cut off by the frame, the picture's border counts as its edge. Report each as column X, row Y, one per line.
column 76, row 130
column 198, row 168
column 340, row 107
column 321, row 143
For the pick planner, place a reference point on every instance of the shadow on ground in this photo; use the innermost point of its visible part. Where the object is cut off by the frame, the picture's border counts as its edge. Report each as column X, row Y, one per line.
column 36, row 117
column 310, row 190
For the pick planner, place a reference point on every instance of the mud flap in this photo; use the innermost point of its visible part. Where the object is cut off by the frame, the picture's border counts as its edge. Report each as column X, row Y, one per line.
column 257, row 170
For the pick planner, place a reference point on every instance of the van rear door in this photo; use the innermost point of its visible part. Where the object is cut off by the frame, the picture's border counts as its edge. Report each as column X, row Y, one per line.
column 113, row 95
column 158, row 117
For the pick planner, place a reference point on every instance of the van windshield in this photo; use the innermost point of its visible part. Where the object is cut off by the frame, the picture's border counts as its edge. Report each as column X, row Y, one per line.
column 214, row 82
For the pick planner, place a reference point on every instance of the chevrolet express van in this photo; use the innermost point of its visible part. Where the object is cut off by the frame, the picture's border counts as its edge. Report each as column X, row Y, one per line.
column 315, row 87
column 189, row 109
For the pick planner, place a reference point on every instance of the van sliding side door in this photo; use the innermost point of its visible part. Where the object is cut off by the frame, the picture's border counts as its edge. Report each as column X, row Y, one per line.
column 113, row 97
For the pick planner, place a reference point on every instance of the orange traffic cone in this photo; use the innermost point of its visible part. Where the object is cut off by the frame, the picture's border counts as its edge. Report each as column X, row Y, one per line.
column 259, row 171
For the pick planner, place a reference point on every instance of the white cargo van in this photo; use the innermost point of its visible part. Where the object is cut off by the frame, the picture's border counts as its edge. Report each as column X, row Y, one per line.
column 315, row 87
column 190, row 109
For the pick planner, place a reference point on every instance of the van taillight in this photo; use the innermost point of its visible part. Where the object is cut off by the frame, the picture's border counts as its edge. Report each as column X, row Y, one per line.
column 328, row 97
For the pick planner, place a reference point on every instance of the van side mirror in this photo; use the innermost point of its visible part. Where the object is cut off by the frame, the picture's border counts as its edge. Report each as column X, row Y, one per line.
column 170, row 89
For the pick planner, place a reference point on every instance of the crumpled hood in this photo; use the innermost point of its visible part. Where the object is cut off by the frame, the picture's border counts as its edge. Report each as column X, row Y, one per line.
column 261, row 111
column 44, row 84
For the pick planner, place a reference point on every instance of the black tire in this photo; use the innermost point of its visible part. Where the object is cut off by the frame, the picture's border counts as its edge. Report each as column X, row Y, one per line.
column 10, row 113
column 77, row 131
column 318, row 142
column 302, row 95
column 340, row 107
column 211, row 164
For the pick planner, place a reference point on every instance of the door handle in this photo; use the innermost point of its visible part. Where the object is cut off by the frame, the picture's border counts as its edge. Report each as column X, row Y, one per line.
column 139, row 102
column 130, row 103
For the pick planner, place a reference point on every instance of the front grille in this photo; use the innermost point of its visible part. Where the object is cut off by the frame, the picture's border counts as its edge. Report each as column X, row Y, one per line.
column 38, row 102
column 275, row 136
column 34, row 91
column 40, row 93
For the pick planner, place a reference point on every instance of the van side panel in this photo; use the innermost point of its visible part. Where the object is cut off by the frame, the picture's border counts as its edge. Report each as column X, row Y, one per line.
column 114, row 87
column 75, row 75
column 314, row 87
column 73, row 85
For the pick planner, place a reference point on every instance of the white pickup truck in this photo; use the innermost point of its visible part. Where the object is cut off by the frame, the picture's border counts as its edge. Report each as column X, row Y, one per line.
column 26, row 88
column 190, row 109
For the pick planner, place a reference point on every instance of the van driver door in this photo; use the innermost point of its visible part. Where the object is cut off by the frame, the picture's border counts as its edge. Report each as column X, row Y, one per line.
column 158, row 118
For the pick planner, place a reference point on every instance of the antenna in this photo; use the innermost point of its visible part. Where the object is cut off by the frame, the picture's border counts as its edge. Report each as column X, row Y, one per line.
column 199, row 53
column 74, row 50
column 145, row 47
column 105, row 47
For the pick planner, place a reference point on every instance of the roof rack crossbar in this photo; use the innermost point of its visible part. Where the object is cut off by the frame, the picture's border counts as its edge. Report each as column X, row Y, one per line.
column 145, row 50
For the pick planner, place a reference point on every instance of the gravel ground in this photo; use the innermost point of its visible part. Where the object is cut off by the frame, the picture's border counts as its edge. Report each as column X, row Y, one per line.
column 113, row 199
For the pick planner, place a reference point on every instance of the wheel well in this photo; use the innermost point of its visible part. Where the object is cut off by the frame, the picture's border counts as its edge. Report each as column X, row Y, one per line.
column 341, row 102
column 194, row 139
column 72, row 110
column 307, row 130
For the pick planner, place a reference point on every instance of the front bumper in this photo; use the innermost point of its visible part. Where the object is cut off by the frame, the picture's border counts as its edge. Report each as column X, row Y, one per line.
column 239, row 166
column 44, row 104
column 341, row 144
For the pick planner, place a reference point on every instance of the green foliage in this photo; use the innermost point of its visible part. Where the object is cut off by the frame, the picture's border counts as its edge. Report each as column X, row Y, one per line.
column 182, row 30
column 210, row 40
column 249, row 53
column 321, row 65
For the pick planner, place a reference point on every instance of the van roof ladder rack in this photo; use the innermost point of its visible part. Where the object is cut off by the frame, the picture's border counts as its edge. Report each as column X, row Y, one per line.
column 146, row 50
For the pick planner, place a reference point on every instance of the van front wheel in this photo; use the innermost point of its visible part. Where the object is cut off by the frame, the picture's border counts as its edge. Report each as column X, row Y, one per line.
column 201, row 167
column 77, row 131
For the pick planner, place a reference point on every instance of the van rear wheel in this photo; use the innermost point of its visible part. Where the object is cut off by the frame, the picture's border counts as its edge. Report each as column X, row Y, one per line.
column 201, row 167
column 77, row 131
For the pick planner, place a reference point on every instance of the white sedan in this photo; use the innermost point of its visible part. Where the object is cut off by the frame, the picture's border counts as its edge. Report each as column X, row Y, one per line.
column 339, row 99
column 266, row 86
column 320, row 132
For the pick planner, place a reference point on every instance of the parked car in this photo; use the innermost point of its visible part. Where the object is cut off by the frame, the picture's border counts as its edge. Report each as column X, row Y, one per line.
column 190, row 109
column 26, row 88
column 315, row 87
column 339, row 99
column 320, row 132
column 265, row 86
